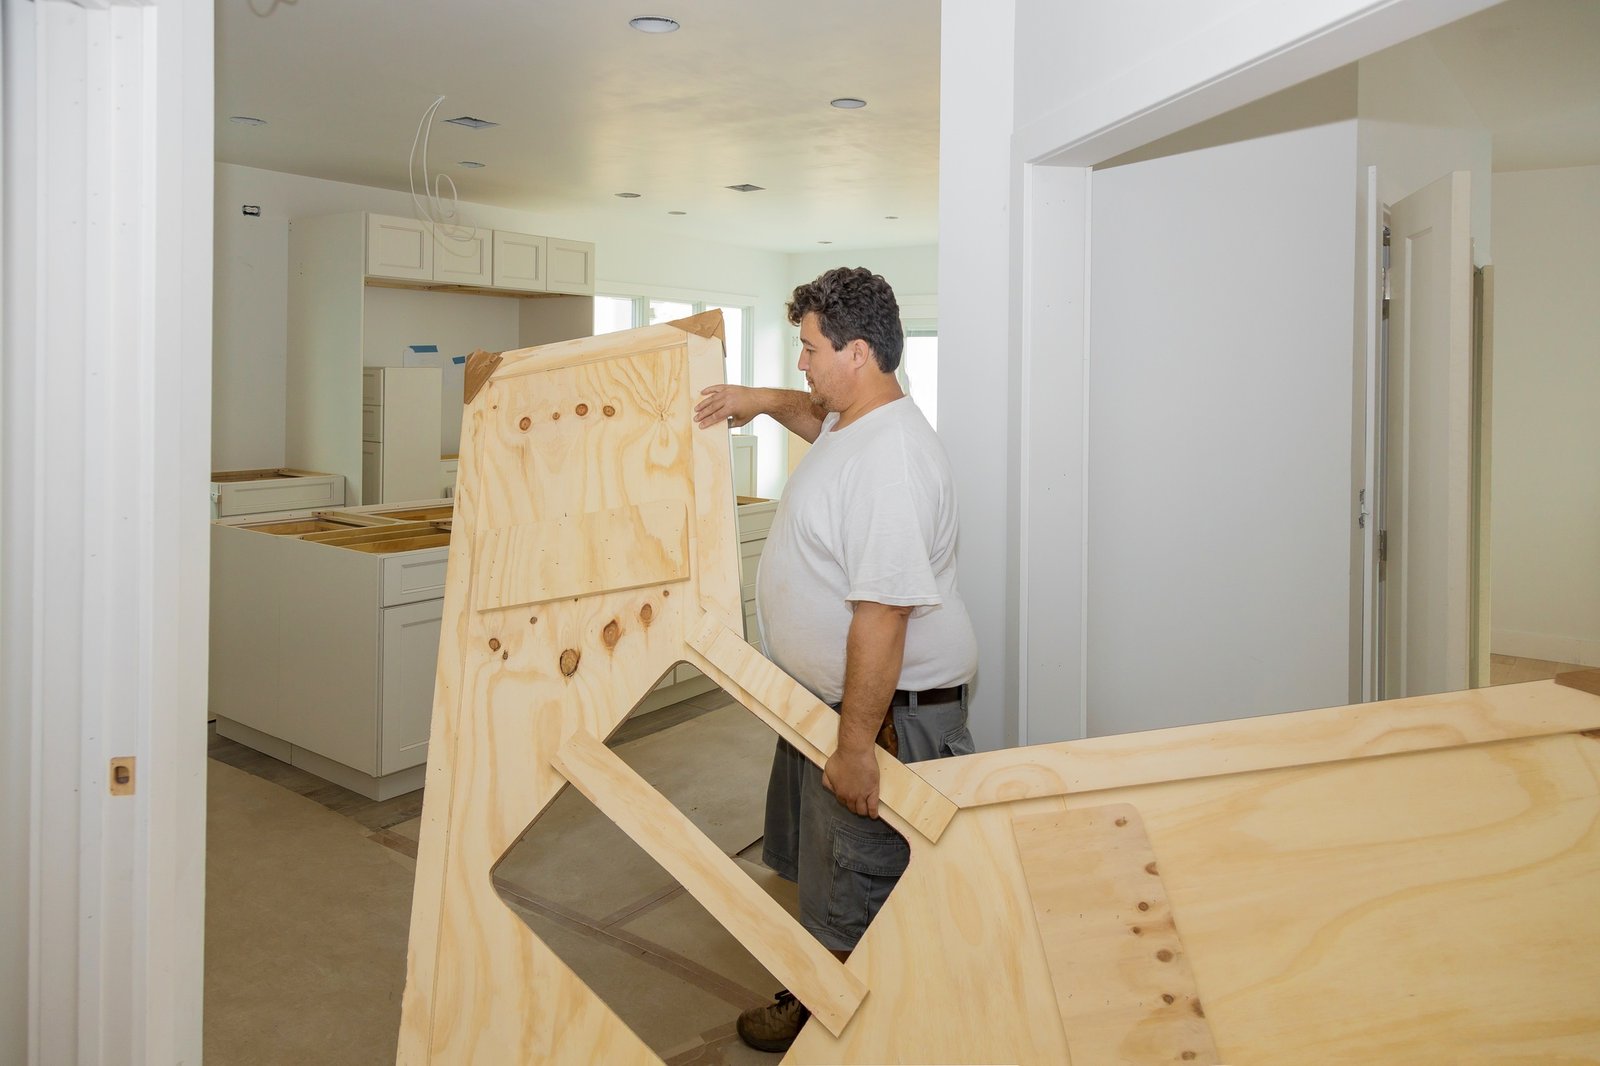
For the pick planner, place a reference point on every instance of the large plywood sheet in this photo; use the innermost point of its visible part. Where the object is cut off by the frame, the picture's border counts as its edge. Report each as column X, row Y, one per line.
column 1411, row 881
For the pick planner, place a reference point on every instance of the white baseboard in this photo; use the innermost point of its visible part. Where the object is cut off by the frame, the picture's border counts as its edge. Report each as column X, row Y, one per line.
column 1543, row 646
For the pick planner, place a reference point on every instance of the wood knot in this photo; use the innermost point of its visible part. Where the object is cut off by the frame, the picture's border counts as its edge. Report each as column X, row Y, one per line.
column 666, row 592
column 1137, row 931
column 609, row 410
column 1164, row 955
column 582, row 409
column 647, row 614
column 611, row 633
column 494, row 643
column 1143, row 905
column 1150, row 868
column 555, row 416
column 1168, row 998
column 569, row 662
column 505, row 655
column 534, row 620
column 1187, row 1056
column 526, row 422
column 1121, row 822
column 1199, row 1011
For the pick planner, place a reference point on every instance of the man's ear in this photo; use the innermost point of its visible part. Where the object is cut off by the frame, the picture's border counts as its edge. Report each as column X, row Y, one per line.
column 860, row 352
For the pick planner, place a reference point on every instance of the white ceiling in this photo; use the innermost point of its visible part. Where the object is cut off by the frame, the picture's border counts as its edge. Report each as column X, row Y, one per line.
column 590, row 107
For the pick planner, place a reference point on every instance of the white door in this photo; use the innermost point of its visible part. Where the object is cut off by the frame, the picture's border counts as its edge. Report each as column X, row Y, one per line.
column 1426, row 573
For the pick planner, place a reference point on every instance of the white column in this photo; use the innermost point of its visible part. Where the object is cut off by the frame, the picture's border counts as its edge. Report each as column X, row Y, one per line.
column 107, row 291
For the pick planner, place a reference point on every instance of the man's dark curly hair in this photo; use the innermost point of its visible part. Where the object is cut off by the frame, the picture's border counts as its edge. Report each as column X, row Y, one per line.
column 853, row 303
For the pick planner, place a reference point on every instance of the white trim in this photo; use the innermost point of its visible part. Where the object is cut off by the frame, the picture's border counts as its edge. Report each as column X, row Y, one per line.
column 108, row 371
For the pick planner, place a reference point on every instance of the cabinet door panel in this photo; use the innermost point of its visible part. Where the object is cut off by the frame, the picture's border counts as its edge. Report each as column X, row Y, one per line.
column 571, row 267
column 464, row 256
column 520, row 261
column 410, row 656
column 399, row 248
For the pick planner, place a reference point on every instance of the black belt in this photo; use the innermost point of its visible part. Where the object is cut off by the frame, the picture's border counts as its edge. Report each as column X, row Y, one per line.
column 927, row 697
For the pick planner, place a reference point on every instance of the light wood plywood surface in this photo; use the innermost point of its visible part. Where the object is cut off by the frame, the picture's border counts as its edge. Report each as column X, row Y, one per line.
column 1404, row 882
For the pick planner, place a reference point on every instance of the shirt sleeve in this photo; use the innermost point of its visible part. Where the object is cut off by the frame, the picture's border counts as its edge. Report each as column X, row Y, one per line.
column 886, row 528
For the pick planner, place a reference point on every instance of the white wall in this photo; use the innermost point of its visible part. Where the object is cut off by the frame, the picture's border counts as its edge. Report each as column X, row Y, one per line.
column 977, row 403
column 1027, row 82
column 1545, row 539
column 1417, row 127
column 252, row 286
column 1220, row 427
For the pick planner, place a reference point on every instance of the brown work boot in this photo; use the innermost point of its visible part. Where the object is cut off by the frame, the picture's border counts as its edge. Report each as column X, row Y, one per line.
column 773, row 1027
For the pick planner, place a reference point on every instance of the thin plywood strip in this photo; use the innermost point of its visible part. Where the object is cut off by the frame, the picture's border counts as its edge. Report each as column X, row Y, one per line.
column 1122, row 980
column 778, row 942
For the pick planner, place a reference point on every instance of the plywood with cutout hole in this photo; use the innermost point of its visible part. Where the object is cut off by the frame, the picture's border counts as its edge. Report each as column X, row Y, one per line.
column 1400, row 882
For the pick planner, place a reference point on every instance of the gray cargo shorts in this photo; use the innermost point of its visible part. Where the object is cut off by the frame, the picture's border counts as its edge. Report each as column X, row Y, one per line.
column 845, row 864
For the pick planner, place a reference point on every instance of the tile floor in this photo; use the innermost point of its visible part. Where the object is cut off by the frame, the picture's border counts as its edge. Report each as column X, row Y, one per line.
column 309, row 898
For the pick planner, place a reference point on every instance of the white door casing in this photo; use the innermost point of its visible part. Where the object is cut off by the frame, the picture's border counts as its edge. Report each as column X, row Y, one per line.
column 1428, row 461
column 105, row 458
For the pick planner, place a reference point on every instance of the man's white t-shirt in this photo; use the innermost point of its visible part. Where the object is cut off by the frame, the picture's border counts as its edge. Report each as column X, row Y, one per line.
column 869, row 514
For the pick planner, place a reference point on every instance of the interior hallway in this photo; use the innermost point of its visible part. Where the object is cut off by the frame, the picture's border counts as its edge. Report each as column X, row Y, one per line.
column 308, row 900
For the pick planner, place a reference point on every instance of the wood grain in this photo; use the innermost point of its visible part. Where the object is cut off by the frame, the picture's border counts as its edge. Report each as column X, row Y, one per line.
column 778, row 942
column 581, row 555
column 1122, row 980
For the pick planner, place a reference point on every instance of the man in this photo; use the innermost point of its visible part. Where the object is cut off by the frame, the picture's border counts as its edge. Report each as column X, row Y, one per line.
column 856, row 599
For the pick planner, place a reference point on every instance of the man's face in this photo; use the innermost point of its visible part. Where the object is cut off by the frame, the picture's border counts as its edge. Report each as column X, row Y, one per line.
column 823, row 365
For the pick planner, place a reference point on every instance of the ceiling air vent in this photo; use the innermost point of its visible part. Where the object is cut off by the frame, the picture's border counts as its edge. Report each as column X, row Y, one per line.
column 472, row 123
column 747, row 187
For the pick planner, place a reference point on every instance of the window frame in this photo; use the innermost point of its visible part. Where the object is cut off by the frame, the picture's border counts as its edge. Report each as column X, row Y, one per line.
column 699, row 303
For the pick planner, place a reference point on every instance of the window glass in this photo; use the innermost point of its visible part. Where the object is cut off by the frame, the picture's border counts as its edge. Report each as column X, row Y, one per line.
column 669, row 311
column 921, row 362
column 612, row 313
column 733, row 328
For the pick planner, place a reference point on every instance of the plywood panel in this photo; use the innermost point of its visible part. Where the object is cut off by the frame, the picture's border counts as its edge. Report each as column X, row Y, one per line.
column 1403, row 882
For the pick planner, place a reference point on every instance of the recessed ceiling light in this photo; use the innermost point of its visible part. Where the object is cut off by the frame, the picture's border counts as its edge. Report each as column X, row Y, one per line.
column 847, row 103
column 653, row 24
column 472, row 123
column 891, row 218
column 247, row 120
column 746, row 187
column 470, row 164
column 626, row 195
column 824, row 242
column 677, row 212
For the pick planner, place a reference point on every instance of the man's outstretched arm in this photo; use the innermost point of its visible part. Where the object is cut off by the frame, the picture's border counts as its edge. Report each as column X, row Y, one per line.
column 738, row 404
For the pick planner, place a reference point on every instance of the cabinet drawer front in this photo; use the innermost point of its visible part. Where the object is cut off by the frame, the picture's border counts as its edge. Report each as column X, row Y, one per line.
column 414, row 576
column 371, row 422
column 755, row 519
column 278, row 494
column 372, row 385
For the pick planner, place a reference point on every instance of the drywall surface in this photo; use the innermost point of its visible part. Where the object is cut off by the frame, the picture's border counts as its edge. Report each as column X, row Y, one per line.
column 250, row 331
column 1417, row 127
column 1219, row 427
column 1545, row 511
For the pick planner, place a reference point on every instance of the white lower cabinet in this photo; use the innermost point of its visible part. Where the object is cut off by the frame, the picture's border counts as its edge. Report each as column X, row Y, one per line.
column 410, row 652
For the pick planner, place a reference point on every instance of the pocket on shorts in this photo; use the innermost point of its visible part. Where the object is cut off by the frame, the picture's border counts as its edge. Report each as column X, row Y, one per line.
column 866, row 867
column 957, row 742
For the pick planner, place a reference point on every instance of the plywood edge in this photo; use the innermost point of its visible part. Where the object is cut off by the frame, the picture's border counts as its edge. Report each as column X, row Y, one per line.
column 1301, row 738
column 583, row 351
column 1582, row 680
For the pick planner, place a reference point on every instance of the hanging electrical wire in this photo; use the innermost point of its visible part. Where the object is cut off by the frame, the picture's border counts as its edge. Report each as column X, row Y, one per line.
column 439, row 213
